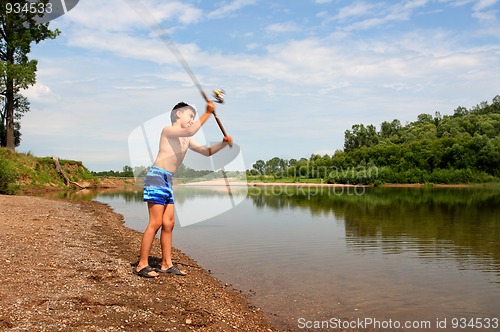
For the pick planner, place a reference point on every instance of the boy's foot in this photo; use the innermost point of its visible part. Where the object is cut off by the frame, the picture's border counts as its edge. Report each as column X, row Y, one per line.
column 172, row 270
column 146, row 272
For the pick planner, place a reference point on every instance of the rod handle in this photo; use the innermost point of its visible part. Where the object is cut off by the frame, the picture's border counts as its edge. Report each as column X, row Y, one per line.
column 220, row 125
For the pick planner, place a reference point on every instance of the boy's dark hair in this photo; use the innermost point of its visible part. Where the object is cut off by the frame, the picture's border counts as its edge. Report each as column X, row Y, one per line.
column 173, row 114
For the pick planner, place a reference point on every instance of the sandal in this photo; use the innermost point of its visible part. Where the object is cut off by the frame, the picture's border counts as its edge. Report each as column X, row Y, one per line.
column 144, row 272
column 172, row 270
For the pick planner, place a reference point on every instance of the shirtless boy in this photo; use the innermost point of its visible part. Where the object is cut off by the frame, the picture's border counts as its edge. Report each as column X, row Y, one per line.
column 174, row 142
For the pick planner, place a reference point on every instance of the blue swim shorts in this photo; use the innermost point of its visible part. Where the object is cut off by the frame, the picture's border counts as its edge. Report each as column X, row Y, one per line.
column 157, row 186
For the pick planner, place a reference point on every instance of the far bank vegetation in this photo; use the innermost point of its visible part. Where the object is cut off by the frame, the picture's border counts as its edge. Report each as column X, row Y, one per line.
column 448, row 149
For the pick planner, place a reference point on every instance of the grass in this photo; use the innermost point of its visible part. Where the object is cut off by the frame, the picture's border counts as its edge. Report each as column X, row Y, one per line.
column 25, row 171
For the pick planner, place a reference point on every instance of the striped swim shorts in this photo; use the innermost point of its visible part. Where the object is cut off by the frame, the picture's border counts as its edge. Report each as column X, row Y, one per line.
column 157, row 186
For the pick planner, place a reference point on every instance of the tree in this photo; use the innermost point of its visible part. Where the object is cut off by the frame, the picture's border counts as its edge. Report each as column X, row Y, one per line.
column 461, row 111
column 360, row 136
column 19, row 28
column 21, row 106
column 128, row 171
column 274, row 165
column 390, row 129
column 259, row 166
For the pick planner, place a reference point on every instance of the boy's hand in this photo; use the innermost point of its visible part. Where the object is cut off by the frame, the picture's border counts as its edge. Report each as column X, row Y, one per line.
column 228, row 139
column 210, row 107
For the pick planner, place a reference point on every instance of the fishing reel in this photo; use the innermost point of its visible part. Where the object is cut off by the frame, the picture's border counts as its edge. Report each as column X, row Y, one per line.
column 219, row 95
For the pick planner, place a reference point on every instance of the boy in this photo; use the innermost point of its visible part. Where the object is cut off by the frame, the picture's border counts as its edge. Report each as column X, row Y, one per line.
column 174, row 142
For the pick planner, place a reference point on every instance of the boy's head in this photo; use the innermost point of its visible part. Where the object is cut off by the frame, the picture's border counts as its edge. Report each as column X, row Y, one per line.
column 180, row 107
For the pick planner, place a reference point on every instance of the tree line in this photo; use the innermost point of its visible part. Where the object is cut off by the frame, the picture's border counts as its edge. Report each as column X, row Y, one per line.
column 140, row 171
column 127, row 172
column 460, row 148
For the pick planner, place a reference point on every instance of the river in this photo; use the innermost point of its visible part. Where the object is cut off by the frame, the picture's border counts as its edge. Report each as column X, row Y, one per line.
column 305, row 256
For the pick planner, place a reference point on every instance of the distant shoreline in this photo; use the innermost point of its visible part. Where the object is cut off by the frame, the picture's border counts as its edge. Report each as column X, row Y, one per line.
column 222, row 182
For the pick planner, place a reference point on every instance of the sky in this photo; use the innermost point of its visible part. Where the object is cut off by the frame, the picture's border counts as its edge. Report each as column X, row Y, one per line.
column 297, row 74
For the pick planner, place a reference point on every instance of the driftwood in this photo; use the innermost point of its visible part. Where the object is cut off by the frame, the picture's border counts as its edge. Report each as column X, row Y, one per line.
column 59, row 170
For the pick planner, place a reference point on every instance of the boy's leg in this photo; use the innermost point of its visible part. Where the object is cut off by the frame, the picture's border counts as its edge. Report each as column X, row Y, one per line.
column 155, row 222
column 166, row 241
column 166, row 236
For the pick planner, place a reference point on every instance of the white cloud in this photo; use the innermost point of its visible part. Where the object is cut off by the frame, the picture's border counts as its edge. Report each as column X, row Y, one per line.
column 311, row 63
column 252, row 46
column 479, row 9
column 485, row 16
column 283, row 27
column 355, row 10
column 39, row 93
column 380, row 14
column 129, row 15
column 230, row 8
column 482, row 4
column 137, row 87
column 137, row 47
column 112, row 15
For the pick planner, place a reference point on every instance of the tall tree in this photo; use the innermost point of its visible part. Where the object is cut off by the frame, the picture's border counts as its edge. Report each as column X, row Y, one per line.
column 19, row 28
column 21, row 106
column 360, row 136
column 389, row 129
column 259, row 166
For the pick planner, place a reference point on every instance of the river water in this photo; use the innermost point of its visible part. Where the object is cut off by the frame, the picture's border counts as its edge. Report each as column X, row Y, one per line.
column 425, row 257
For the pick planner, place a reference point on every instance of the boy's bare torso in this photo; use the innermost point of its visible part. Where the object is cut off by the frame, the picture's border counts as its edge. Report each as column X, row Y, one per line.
column 171, row 152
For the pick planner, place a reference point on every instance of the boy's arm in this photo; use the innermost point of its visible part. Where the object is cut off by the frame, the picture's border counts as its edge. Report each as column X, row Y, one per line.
column 172, row 131
column 210, row 150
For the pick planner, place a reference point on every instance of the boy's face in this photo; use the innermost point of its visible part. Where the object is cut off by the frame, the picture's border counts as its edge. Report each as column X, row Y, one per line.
column 186, row 117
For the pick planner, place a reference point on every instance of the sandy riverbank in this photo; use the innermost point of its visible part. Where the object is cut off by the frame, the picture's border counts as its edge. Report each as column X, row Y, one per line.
column 66, row 266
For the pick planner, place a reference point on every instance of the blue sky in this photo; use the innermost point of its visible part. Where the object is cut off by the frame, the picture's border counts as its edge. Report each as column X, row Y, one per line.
column 297, row 74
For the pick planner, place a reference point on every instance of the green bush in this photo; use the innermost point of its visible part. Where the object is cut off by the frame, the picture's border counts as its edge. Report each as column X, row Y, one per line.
column 8, row 177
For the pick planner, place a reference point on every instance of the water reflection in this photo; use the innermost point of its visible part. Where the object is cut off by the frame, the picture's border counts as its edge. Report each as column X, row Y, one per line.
column 182, row 194
column 429, row 223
